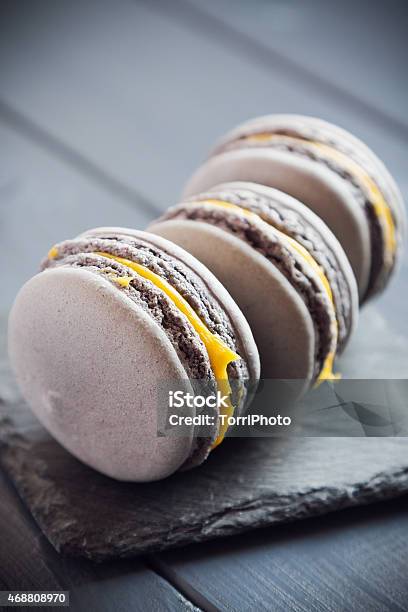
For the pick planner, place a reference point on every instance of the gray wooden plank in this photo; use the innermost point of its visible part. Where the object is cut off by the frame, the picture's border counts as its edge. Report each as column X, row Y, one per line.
column 352, row 50
column 73, row 158
column 356, row 560
column 42, row 201
column 29, row 562
column 22, row 545
column 144, row 93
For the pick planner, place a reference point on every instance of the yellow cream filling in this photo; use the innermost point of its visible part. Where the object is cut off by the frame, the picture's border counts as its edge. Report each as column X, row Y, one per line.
column 220, row 355
column 381, row 208
column 52, row 253
column 327, row 368
column 122, row 281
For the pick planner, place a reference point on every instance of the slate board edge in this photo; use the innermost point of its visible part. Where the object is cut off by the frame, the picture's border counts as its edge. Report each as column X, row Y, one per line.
column 262, row 512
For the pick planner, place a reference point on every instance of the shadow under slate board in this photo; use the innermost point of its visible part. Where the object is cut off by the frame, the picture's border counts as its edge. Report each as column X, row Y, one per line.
column 245, row 484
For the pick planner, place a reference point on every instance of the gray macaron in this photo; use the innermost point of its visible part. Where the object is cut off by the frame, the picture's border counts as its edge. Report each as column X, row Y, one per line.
column 330, row 171
column 114, row 314
column 283, row 266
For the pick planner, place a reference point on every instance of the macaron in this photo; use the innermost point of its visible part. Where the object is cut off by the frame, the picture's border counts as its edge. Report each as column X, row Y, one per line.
column 282, row 265
column 329, row 170
column 113, row 315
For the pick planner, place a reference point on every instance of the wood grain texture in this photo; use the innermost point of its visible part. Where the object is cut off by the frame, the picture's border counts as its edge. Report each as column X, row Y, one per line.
column 22, row 551
column 355, row 560
column 124, row 101
column 29, row 562
column 350, row 51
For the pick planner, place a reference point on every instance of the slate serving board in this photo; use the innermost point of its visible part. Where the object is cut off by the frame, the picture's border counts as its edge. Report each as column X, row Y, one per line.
column 245, row 484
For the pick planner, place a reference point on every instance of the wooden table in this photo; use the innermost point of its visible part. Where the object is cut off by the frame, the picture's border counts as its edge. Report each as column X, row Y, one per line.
column 105, row 109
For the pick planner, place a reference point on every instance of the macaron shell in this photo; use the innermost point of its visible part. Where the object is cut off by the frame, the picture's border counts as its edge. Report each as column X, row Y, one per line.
column 279, row 319
column 240, row 324
column 89, row 362
column 311, row 183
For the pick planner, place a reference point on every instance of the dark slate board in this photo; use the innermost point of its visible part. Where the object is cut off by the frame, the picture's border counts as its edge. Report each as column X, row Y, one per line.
column 247, row 483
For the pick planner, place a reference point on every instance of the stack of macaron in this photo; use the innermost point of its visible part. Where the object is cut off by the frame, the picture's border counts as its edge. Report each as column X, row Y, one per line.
column 281, row 234
column 328, row 170
column 302, row 223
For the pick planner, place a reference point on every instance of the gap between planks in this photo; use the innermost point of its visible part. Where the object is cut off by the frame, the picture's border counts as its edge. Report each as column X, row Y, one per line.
column 189, row 593
column 76, row 160
column 200, row 20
